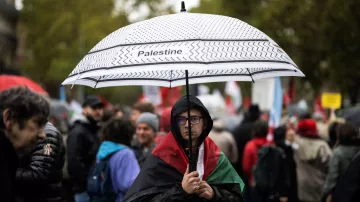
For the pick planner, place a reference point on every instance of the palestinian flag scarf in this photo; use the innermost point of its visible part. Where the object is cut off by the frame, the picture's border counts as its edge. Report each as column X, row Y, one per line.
column 164, row 169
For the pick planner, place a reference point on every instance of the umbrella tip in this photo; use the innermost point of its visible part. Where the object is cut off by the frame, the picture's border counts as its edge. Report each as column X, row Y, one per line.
column 183, row 9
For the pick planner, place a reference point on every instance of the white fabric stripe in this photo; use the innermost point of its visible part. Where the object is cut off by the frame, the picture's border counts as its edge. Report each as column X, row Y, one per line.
column 200, row 162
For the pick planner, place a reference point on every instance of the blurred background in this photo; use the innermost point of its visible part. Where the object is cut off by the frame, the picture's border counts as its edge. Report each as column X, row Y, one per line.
column 44, row 40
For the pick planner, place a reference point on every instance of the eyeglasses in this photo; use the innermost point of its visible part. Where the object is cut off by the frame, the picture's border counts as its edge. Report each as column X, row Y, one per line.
column 193, row 119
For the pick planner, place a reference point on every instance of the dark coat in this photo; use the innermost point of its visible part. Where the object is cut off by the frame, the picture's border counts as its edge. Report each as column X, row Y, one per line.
column 9, row 164
column 39, row 175
column 82, row 146
column 242, row 135
column 290, row 173
column 348, row 187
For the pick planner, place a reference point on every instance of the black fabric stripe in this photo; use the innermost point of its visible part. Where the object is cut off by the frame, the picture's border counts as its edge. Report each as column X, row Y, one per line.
column 193, row 77
column 154, row 173
column 184, row 62
column 174, row 41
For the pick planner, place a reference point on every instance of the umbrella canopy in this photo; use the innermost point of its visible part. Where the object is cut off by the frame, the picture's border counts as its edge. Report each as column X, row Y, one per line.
column 9, row 81
column 212, row 48
column 179, row 49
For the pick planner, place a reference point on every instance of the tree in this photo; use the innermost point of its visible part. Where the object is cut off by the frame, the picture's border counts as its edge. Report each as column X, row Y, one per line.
column 57, row 39
column 321, row 36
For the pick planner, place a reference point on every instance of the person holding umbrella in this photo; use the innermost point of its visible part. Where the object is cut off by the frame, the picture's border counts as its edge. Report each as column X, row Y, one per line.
column 166, row 174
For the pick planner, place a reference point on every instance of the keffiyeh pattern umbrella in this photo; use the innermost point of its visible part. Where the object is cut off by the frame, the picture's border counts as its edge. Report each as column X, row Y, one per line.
column 156, row 51
column 182, row 49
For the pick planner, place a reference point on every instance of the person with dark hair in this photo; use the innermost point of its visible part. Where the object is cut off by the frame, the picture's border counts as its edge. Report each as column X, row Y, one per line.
column 243, row 134
column 23, row 116
column 39, row 175
column 280, row 134
column 116, row 137
column 347, row 147
column 82, row 145
column 165, row 175
column 139, row 108
column 259, row 132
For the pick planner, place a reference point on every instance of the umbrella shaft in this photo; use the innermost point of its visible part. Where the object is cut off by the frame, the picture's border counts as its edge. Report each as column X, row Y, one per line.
column 192, row 164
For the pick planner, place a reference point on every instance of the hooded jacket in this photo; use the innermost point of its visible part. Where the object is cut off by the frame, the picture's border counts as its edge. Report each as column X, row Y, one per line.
column 161, row 176
column 82, row 146
column 123, row 166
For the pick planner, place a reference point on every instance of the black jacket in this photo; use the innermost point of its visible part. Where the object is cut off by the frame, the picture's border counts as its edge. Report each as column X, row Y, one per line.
column 8, row 166
column 289, row 173
column 348, row 187
column 39, row 175
column 242, row 135
column 82, row 146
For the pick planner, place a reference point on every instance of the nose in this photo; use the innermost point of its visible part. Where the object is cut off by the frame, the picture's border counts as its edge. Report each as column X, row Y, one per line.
column 140, row 131
column 186, row 123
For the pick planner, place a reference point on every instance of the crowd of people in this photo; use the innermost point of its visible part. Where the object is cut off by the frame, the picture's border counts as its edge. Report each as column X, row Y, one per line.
column 110, row 155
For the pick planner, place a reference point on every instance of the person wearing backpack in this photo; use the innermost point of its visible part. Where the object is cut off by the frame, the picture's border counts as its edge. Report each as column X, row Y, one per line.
column 259, row 132
column 116, row 165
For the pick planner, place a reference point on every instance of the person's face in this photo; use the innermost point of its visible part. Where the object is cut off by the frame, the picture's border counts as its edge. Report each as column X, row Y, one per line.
column 95, row 112
column 197, row 124
column 119, row 114
column 24, row 139
column 290, row 135
column 134, row 115
column 145, row 133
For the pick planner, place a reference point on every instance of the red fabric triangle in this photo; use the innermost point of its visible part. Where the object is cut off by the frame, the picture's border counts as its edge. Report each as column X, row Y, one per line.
column 171, row 152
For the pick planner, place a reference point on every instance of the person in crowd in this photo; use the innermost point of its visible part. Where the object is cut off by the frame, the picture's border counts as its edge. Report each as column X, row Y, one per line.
column 348, row 186
column 312, row 160
column 116, row 137
column 347, row 146
column 83, row 144
column 282, row 139
column 39, row 175
column 165, row 176
column 259, row 132
column 139, row 108
column 225, row 140
column 147, row 125
column 23, row 117
column 243, row 134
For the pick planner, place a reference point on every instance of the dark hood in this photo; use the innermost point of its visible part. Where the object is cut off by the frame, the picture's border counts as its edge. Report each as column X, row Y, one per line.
column 179, row 107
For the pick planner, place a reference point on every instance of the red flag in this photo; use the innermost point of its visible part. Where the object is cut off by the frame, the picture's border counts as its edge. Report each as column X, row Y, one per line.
column 319, row 109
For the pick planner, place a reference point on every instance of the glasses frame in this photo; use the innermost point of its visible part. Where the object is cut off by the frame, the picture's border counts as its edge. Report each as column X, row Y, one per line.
column 187, row 119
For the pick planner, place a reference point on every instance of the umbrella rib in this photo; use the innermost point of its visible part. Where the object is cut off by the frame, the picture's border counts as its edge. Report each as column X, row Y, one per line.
column 250, row 75
column 170, row 77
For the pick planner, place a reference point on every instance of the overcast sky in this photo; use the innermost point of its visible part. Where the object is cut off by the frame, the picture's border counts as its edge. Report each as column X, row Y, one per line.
column 142, row 11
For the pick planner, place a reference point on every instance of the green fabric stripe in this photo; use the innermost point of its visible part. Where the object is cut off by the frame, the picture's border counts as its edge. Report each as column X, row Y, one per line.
column 224, row 173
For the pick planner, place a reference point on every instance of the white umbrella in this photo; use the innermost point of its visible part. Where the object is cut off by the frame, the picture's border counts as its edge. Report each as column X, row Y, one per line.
column 179, row 49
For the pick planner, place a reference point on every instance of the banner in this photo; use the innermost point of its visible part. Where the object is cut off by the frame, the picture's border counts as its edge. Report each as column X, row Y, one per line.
column 152, row 94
